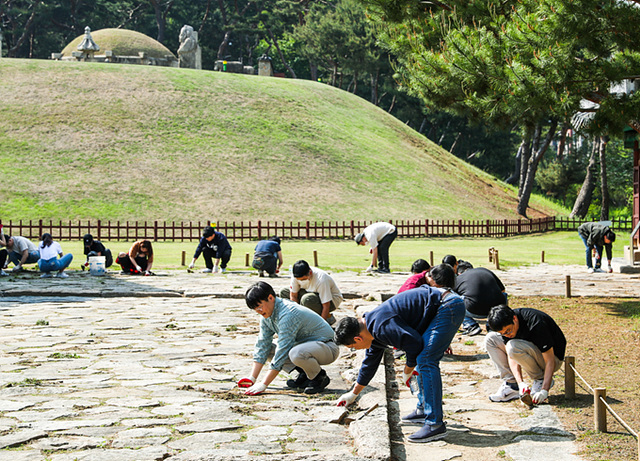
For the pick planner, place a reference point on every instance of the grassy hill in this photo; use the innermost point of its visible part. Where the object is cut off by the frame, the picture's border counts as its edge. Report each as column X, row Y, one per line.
column 80, row 140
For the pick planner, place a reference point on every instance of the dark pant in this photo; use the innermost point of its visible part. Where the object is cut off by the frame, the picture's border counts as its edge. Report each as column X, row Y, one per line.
column 209, row 255
column 126, row 265
column 4, row 254
column 265, row 262
column 383, row 250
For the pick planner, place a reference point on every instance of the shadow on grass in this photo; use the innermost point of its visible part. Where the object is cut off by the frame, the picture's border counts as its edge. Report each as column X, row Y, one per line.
column 627, row 308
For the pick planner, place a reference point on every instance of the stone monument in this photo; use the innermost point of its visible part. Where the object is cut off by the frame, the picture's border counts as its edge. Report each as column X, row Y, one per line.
column 265, row 69
column 88, row 47
column 189, row 53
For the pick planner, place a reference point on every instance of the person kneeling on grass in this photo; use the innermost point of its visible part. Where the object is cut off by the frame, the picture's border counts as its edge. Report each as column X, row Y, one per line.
column 305, row 342
column 422, row 322
column 524, row 339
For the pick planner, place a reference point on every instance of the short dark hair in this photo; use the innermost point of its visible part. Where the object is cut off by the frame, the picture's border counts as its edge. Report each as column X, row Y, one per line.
column 301, row 268
column 499, row 317
column 348, row 328
column 208, row 231
column 257, row 293
column 463, row 266
column 420, row 265
column 610, row 235
column 450, row 259
column 275, row 238
column 443, row 275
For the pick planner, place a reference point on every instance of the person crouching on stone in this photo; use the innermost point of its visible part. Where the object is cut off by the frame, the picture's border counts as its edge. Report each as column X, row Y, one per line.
column 49, row 261
column 422, row 322
column 138, row 260
column 305, row 342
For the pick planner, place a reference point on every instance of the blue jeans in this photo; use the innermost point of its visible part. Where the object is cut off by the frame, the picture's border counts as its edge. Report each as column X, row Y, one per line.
column 55, row 264
column 588, row 254
column 15, row 257
column 437, row 339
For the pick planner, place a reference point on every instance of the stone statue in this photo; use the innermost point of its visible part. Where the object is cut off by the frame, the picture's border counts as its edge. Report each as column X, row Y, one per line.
column 188, row 51
column 88, row 45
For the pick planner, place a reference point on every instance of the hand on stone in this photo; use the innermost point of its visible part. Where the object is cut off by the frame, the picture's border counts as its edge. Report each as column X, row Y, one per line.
column 247, row 381
column 192, row 265
column 139, row 269
column 256, row 389
column 540, row 397
column 346, row 399
column 524, row 388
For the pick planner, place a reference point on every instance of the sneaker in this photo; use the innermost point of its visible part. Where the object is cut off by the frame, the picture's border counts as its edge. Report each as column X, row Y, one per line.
column 318, row 383
column 260, row 273
column 590, row 270
column 207, row 271
column 428, row 434
column 46, row 275
column 383, row 271
column 398, row 354
column 61, row 275
column 504, row 394
column 597, row 269
column 472, row 330
column 273, row 276
column 3, row 273
column 537, row 385
column 216, row 269
column 414, row 418
column 224, row 271
column 301, row 382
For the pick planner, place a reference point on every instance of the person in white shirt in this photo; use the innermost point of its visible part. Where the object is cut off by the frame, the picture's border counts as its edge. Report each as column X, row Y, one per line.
column 49, row 261
column 379, row 236
column 313, row 288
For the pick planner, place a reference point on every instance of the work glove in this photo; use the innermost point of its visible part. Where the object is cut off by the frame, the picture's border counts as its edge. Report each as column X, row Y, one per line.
column 256, row 389
column 369, row 269
column 247, row 381
column 524, row 388
column 216, row 269
column 139, row 269
column 147, row 272
column 346, row 399
column 406, row 377
column 540, row 397
column 192, row 265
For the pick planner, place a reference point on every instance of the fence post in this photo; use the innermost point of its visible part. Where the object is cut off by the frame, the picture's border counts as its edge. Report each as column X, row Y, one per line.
column 99, row 230
column 155, row 231
column 505, row 228
column 259, row 230
column 308, row 231
column 567, row 279
column 569, row 378
column 39, row 228
column 599, row 410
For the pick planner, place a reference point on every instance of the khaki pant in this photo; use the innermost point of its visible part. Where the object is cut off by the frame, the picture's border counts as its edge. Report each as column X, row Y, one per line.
column 311, row 300
column 309, row 356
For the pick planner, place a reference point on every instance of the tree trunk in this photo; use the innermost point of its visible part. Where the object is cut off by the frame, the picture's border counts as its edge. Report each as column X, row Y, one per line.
column 583, row 200
column 524, row 157
column 537, row 153
column 515, row 176
column 455, row 143
column 12, row 52
column 563, row 141
column 313, row 70
column 374, row 87
column 284, row 62
column 604, row 185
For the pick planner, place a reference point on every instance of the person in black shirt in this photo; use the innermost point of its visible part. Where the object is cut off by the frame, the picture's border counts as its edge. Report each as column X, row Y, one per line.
column 524, row 339
column 94, row 247
column 481, row 290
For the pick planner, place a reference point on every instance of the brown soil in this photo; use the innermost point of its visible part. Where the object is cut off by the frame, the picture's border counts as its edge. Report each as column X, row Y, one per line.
column 603, row 334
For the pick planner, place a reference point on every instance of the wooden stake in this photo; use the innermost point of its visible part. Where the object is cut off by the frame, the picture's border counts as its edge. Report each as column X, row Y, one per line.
column 569, row 377
column 599, row 410
column 497, row 259
column 542, row 256
column 246, row 259
column 315, row 258
column 431, row 258
column 184, row 257
column 567, row 283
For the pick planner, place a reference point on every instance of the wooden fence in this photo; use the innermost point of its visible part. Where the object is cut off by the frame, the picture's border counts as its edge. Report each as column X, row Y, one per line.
column 181, row 231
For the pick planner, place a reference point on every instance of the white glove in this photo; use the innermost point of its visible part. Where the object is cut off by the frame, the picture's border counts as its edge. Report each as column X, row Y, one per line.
column 192, row 265
column 524, row 387
column 147, row 273
column 216, row 269
column 540, row 397
column 139, row 269
column 247, row 381
column 406, row 377
column 346, row 399
column 256, row 389
column 369, row 269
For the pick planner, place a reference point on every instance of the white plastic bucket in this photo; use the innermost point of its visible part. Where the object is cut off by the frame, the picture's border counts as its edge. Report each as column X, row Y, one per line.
column 96, row 265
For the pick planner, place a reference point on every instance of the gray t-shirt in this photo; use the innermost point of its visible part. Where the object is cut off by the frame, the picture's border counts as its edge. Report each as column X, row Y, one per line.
column 21, row 243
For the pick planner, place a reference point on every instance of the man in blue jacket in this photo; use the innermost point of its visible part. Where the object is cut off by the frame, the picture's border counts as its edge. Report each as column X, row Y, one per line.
column 422, row 322
column 268, row 257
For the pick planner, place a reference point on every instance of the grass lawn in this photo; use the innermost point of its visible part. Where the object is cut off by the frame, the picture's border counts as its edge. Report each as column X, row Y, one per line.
column 345, row 255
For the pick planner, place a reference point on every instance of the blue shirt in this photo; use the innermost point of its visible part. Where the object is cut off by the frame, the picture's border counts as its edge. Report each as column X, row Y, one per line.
column 294, row 325
column 399, row 322
column 268, row 246
column 218, row 243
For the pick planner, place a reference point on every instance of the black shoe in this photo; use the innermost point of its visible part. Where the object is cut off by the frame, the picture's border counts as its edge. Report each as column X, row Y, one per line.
column 318, row 383
column 472, row 330
column 300, row 382
column 383, row 270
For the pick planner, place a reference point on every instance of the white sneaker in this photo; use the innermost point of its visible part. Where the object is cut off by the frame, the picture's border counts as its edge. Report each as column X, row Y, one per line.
column 504, row 394
column 46, row 275
column 597, row 269
column 216, row 269
column 590, row 270
column 206, row 271
column 61, row 275
column 537, row 385
column 224, row 271
column 3, row 273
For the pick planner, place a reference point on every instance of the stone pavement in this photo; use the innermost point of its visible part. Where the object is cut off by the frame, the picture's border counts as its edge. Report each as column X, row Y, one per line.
column 144, row 368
